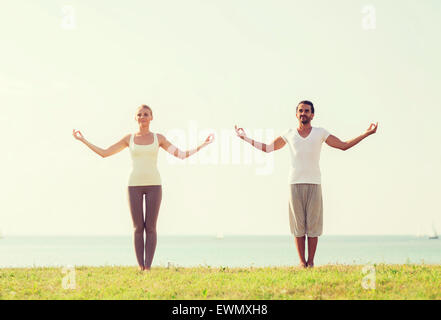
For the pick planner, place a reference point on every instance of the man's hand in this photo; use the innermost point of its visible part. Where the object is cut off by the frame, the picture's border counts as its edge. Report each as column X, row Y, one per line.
column 240, row 132
column 372, row 129
column 77, row 135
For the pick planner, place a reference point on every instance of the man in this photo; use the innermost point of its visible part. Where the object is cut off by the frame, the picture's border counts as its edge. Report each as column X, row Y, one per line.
column 305, row 200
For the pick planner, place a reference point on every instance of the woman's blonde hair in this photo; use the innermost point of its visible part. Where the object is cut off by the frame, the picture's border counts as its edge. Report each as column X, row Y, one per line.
column 143, row 106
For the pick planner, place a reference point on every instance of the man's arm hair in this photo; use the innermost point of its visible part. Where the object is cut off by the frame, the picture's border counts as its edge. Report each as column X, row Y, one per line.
column 335, row 142
column 277, row 144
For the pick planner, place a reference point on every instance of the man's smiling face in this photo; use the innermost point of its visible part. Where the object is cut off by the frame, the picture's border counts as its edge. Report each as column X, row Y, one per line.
column 304, row 113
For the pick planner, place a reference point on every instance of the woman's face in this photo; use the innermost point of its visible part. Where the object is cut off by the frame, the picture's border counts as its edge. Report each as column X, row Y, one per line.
column 144, row 116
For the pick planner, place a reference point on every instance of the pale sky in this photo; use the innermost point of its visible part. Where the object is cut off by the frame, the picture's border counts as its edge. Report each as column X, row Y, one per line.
column 211, row 65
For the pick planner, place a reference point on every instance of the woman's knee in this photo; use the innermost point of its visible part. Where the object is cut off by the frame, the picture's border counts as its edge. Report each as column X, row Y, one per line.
column 150, row 229
column 138, row 229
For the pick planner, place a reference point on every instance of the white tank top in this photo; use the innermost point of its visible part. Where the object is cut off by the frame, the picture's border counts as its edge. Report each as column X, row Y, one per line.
column 144, row 158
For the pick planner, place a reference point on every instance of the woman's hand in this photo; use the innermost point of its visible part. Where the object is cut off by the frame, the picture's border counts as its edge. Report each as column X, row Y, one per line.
column 240, row 132
column 78, row 135
column 209, row 139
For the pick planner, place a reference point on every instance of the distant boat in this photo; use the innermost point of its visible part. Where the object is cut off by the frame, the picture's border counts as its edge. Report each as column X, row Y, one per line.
column 219, row 235
column 434, row 235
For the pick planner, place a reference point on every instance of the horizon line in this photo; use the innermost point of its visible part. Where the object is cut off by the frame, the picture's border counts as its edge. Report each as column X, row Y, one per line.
column 204, row 235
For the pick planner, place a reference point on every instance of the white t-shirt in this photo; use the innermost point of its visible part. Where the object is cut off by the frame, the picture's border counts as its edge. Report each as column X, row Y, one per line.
column 305, row 155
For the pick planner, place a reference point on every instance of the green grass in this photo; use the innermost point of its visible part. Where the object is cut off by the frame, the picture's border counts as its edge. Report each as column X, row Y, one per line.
column 323, row 282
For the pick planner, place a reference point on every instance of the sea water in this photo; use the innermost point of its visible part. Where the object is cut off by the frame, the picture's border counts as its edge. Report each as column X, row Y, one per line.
column 229, row 251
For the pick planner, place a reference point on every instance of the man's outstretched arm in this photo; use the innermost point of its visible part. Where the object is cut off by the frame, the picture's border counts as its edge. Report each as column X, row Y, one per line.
column 335, row 142
column 277, row 144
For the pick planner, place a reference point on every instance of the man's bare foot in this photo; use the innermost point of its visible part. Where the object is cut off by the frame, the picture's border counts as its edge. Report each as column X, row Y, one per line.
column 303, row 265
column 141, row 268
column 310, row 264
column 146, row 269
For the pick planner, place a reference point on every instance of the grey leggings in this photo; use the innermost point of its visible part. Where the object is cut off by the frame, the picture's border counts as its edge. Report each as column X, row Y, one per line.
column 153, row 196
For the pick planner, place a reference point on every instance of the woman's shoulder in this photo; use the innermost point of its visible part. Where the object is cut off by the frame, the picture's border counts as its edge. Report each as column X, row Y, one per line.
column 161, row 137
column 127, row 137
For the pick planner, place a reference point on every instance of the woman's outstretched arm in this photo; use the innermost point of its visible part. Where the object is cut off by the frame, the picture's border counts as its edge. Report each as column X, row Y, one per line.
column 115, row 148
column 175, row 151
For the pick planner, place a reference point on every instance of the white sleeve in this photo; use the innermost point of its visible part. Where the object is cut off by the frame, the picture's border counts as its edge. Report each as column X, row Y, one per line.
column 285, row 135
column 325, row 134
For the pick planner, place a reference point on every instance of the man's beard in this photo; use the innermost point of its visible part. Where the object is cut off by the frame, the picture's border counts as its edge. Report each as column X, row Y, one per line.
column 305, row 120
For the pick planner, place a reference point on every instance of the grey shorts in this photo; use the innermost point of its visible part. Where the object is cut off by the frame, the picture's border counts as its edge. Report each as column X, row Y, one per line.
column 306, row 210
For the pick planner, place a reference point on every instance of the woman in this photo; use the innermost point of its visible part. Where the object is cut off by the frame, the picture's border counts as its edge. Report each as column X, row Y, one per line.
column 144, row 179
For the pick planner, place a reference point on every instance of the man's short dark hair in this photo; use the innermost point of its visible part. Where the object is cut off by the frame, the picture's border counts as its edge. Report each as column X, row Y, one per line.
column 309, row 103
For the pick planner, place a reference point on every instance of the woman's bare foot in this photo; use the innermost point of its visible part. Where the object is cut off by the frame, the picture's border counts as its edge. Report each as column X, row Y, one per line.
column 141, row 268
column 303, row 265
column 146, row 268
column 310, row 264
